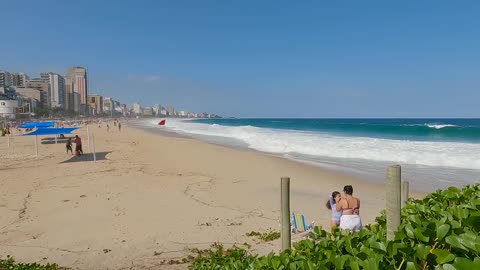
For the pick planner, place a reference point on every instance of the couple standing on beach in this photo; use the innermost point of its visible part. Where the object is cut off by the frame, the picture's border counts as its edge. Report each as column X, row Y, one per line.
column 345, row 210
column 78, row 145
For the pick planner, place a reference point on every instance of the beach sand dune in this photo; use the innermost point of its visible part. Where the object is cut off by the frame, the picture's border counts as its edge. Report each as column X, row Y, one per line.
column 150, row 198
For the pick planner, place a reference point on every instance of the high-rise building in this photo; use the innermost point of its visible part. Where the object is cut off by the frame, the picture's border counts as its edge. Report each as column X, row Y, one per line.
column 77, row 78
column 57, row 89
column 108, row 105
column 137, row 108
column 95, row 102
column 6, row 79
column 157, row 109
column 171, row 111
column 19, row 79
column 44, row 87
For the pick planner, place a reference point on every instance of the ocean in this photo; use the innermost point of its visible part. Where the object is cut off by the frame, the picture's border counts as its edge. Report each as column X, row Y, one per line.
column 434, row 153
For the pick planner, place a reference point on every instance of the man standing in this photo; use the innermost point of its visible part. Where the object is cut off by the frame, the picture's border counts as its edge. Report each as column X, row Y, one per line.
column 78, row 145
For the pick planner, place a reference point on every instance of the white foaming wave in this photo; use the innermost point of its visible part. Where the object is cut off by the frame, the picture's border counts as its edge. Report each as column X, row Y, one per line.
column 445, row 154
column 439, row 126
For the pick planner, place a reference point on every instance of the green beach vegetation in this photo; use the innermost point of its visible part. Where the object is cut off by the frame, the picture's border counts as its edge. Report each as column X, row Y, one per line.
column 440, row 231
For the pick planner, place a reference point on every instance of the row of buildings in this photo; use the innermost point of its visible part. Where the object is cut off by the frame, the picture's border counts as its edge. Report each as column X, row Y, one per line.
column 158, row 111
column 50, row 91
column 21, row 95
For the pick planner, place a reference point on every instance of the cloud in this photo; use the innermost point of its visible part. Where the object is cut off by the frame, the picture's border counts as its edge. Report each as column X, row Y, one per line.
column 143, row 78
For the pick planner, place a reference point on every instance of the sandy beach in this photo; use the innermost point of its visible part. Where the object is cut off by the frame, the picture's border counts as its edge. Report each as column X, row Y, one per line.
column 150, row 198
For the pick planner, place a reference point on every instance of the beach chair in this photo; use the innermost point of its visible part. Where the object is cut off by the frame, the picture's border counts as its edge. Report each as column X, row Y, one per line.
column 299, row 223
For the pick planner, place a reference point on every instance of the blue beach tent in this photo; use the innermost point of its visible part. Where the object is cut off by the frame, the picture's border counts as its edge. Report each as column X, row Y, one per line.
column 48, row 131
column 37, row 124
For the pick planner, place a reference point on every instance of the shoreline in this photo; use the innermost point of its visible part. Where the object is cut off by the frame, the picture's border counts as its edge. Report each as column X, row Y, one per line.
column 150, row 194
column 332, row 168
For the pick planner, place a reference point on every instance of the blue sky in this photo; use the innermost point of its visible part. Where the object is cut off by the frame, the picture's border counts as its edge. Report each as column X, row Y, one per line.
column 260, row 58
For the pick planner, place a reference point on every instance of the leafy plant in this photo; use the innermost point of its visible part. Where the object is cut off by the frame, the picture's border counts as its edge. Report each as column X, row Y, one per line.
column 440, row 231
column 270, row 235
column 10, row 264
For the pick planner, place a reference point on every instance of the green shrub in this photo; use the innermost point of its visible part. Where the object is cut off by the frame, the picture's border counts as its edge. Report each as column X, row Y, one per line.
column 440, row 231
column 10, row 264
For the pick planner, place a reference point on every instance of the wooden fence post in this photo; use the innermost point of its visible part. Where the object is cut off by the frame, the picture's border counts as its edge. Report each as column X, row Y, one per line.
column 404, row 192
column 393, row 203
column 93, row 144
column 285, row 204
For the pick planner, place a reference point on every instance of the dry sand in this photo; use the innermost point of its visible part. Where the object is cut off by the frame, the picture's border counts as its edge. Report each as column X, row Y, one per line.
column 150, row 198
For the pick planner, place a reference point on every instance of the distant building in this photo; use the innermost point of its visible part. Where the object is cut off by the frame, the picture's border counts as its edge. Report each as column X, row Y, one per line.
column 77, row 83
column 137, row 108
column 148, row 111
column 44, row 87
column 31, row 94
column 6, row 79
column 57, row 89
column 7, row 92
column 19, row 79
column 171, row 111
column 108, row 105
column 95, row 102
column 157, row 109
column 8, row 109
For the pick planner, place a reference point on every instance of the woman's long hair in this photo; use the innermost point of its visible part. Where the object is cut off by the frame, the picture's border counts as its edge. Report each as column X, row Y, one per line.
column 334, row 194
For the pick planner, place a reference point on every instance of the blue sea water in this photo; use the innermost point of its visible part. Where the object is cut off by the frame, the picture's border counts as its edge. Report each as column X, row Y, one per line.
column 434, row 153
column 459, row 130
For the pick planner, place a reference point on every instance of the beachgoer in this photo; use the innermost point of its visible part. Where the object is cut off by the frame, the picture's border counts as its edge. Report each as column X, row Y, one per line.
column 78, row 145
column 336, row 215
column 108, row 127
column 119, row 126
column 69, row 145
column 350, row 207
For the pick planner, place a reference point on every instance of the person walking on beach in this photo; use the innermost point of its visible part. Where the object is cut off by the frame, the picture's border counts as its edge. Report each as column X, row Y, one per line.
column 69, row 145
column 332, row 205
column 119, row 126
column 350, row 207
column 108, row 127
column 78, row 145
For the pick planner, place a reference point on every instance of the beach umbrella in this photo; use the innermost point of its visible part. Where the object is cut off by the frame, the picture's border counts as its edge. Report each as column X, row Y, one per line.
column 48, row 131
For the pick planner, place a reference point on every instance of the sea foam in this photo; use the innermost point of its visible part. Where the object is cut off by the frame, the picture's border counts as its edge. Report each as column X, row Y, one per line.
column 444, row 154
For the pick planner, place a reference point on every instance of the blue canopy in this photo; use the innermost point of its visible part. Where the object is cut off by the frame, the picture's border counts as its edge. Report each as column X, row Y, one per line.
column 37, row 124
column 50, row 131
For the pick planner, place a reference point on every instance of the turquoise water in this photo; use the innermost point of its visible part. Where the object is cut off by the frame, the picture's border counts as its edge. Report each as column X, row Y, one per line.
column 434, row 153
column 459, row 130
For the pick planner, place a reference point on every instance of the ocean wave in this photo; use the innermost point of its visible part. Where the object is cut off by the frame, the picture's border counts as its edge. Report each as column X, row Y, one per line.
column 439, row 126
column 428, row 153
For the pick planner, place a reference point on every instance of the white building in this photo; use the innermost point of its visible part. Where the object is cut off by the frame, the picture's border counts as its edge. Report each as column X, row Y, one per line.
column 57, row 89
column 157, row 109
column 8, row 108
column 137, row 109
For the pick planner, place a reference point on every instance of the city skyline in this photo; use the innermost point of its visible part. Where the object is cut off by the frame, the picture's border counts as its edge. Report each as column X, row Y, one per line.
column 267, row 59
column 69, row 93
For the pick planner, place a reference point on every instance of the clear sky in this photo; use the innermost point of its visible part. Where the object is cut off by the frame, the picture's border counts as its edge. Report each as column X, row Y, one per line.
column 259, row 58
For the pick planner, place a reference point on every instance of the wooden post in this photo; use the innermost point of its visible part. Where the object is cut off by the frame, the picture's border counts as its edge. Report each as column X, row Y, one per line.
column 93, row 144
column 36, row 146
column 8, row 140
column 88, row 139
column 393, row 200
column 285, row 201
column 404, row 192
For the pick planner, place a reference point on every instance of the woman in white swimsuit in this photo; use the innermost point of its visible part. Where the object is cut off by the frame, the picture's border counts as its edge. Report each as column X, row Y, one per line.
column 350, row 207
